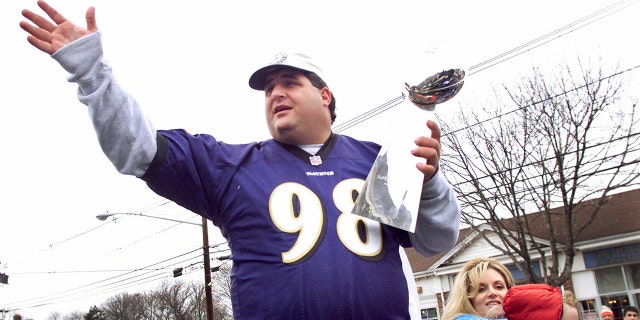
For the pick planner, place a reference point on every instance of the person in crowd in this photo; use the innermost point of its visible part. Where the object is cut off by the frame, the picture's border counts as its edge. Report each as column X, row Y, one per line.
column 478, row 290
column 485, row 289
column 284, row 204
column 630, row 313
column 606, row 313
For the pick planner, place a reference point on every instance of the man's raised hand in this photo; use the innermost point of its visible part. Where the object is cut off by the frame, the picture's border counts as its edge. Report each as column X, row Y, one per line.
column 50, row 36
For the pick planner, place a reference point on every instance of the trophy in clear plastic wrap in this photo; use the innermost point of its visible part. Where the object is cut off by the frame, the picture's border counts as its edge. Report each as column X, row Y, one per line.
column 391, row 192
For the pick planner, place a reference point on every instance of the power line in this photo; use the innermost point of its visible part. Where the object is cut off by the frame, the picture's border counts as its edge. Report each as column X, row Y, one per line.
column 121, row 270
column 115, row 283
column 526, row 47
column 546, row 38
column 590, row 173
column 88, row 288
column 369, row 114
column 83, row 288
column 148, row 208
column 541, row 101
column 133, row 242
column 74, row 236
column 83, row 271
column 143, row 210
column 129, row 278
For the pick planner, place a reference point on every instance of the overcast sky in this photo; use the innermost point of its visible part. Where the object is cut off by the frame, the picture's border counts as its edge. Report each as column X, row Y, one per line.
column 188, row 64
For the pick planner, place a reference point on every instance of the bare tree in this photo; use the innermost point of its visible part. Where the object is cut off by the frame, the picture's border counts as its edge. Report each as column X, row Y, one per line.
column 125, row 306
column 221, row 288
column 568, row 138
column 75, row 315
column 179, row 301
column 175, row 300
column 197, row 307
column 95, row 314
column 54, row 316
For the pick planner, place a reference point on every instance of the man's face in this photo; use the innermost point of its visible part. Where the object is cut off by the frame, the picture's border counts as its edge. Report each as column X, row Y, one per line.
column 631, row 315
column 296, row 111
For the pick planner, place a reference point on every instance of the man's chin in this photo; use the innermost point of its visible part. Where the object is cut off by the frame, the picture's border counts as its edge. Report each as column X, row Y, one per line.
column 284, row 135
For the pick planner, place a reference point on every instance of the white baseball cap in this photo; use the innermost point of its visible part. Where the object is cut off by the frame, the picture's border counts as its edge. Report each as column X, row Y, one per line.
column 297, row 61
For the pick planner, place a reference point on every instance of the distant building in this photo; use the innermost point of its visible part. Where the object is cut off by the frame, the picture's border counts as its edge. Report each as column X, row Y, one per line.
column 606, row 268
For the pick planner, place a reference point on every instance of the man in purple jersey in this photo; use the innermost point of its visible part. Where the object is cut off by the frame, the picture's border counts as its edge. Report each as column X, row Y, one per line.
column 282, row 204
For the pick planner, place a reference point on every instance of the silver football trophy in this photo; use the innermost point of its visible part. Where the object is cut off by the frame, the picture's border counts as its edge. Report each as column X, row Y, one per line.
column 391, row 192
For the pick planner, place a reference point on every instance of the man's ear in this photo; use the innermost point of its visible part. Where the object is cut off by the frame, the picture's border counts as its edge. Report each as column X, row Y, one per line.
column 326, row 96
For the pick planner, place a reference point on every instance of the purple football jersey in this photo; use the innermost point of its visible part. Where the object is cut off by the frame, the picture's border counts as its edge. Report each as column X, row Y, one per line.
column 298, row 252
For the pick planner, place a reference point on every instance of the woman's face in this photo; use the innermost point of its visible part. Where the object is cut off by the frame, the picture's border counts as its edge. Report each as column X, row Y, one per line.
column 491, row 291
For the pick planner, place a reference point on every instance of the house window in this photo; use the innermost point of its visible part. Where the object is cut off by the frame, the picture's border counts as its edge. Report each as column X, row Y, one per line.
column 619, row 287
column 612, row 256
column 588, row 310
column 518, row 276
column 610, row 280
column 632, row 273
column 429, row 313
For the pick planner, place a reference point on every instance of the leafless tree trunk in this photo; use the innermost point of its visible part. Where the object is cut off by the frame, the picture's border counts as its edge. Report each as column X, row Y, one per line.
column 566, row 138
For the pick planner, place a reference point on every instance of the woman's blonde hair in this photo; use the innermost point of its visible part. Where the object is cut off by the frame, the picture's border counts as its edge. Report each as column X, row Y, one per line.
column 466, row 286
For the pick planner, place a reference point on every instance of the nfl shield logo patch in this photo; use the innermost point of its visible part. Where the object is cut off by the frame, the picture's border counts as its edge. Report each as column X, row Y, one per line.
column 315, row 160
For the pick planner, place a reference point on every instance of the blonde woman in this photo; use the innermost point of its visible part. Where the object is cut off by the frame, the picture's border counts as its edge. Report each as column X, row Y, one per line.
column 485, row 289
column 479, row 290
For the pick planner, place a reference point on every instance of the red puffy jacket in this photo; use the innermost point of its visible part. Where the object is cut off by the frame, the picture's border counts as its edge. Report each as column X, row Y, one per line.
column 533, row 301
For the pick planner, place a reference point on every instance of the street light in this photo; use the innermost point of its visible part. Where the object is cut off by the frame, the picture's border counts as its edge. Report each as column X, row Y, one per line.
column 205, row 250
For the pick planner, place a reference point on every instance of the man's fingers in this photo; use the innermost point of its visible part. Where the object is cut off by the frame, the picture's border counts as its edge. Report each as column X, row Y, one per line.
column 36, row 34
column 41, row 45
column 430, row 143
column 38, row 21
column 90, row 16
column 51, row 12
column 38, row 37
column 427, row 169
column 430, row 154
column 435, row 130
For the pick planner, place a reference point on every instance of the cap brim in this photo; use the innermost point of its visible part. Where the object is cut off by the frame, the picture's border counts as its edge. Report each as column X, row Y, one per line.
column 258, row 78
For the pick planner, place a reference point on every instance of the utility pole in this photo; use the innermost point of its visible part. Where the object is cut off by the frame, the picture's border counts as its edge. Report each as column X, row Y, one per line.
column 177, row 272
column 207, row 270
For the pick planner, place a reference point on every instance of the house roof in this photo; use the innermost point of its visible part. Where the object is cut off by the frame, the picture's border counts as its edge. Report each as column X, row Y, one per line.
column 619, row 215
